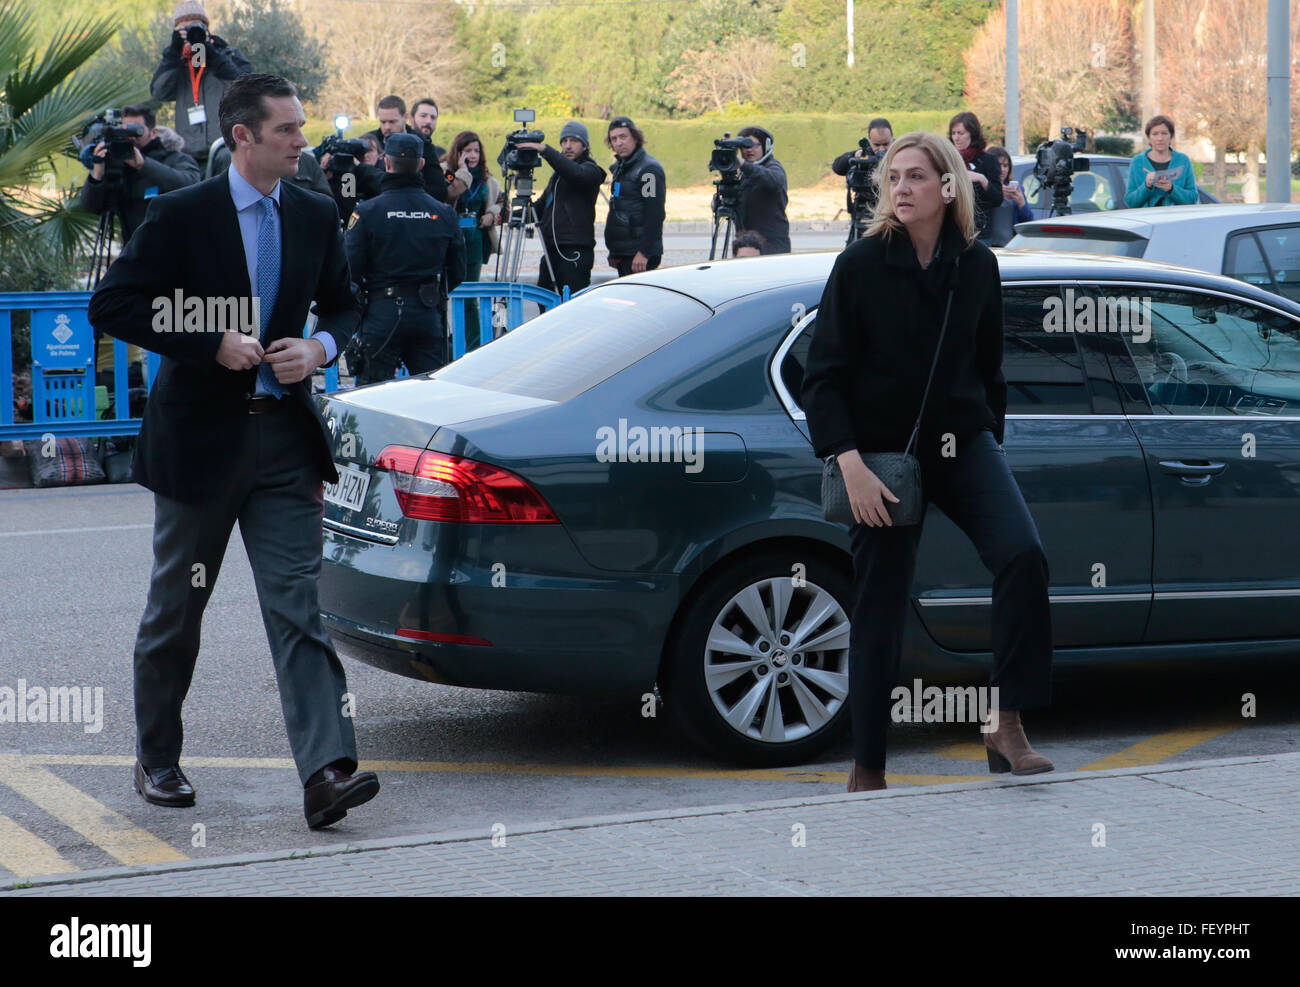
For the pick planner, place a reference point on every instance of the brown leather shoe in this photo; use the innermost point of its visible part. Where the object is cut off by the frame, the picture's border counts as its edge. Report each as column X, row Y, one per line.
column 328, row 801
column 164, row 786
column 865, row 779
column 1008, row 749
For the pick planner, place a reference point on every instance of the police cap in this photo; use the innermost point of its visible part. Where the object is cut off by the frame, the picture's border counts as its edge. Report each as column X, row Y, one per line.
column 403, row 146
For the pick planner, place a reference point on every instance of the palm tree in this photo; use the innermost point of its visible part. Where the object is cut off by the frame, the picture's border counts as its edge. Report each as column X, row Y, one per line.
column 44, row 100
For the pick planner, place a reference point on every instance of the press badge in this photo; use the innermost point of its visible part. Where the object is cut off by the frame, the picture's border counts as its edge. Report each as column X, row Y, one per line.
column 151, row 192
column 614, row 190
column 197, row 114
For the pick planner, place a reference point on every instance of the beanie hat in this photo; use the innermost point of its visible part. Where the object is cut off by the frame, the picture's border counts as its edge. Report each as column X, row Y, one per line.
column 189, row 10
column 576, row 129
column 622, row 122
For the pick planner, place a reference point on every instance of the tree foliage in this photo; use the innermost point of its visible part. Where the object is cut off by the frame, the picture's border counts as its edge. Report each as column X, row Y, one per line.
column 272, row 36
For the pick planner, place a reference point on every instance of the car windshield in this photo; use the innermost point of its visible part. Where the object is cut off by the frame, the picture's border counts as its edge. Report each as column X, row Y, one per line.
column 579, row 344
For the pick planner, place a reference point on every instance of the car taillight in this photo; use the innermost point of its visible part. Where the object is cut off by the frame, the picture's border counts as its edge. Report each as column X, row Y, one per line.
column 432, row 486
column 1068, row 230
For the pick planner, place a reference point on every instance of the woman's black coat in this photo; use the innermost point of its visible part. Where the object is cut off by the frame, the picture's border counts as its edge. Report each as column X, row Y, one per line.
column 990, row 197
column 874, row 339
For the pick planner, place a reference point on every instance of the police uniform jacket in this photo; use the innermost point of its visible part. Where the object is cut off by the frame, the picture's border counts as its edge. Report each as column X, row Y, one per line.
column 404, row 237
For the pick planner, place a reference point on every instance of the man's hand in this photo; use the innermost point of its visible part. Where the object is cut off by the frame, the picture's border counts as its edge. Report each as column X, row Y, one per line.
column 100, row 158
column 238, row 351
column 137, row 161
column 639, row 262
column 295, row 359
column 325, row 161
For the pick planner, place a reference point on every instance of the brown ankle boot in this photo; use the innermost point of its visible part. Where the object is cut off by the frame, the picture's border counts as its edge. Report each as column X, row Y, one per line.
column 865, row 779
column 1008, row 749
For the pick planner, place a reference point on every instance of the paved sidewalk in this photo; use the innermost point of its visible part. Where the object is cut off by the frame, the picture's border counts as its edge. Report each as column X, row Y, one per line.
column 1222, row 827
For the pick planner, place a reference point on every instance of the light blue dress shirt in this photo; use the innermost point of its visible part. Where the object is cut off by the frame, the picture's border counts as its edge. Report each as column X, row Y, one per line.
column 246, row 198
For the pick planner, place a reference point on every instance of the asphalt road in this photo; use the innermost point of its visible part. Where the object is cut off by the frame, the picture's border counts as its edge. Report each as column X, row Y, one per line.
column 74, row 568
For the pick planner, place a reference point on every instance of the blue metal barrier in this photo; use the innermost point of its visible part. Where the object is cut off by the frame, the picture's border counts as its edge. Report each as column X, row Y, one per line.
column 514, row 293
column 66, row 401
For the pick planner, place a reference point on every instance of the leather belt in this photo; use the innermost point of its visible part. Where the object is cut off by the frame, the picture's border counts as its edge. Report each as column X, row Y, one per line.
column 400, row 290
column 264, row 403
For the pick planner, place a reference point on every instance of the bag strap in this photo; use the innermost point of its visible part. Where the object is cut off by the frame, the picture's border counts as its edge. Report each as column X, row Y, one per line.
column 937, row 350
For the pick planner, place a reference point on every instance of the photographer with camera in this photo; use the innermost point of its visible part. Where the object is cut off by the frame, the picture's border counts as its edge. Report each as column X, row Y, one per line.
column 195, row 70
column 350, row 179
column 132, row 164
column 763, row 195
column 398, row 255
column 567, row 217
column 858, row 168
column 634, row 228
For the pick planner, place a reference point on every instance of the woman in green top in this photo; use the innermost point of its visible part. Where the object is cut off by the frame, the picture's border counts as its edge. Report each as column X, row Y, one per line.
column 1144, row 188
column 473, row 193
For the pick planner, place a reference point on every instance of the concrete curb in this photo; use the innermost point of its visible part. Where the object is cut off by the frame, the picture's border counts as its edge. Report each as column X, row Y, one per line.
column 590, row 822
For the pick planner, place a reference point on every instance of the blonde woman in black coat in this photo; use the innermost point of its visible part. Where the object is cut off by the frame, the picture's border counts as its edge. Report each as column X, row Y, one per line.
column 875, row 338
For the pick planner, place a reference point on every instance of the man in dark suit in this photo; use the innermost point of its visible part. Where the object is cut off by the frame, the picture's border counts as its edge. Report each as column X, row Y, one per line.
column 231, row 433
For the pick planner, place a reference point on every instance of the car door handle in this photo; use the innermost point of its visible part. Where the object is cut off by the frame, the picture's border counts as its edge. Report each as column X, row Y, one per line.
column 1195, row 473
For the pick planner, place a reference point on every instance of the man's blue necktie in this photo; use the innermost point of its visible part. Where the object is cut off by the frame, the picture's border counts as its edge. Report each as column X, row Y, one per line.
column 268, row 285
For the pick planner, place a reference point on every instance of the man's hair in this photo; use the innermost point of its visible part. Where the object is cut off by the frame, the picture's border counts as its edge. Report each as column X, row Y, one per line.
column 748, row 239
column 420, row 102
column 972, row 124
column 143, row 110
column 404, row 166
column 946, row 162
column 1154, row 122
column 243, row 103
column 392, row 103
column 637, row 135
column 759, row 134
column 879, row 123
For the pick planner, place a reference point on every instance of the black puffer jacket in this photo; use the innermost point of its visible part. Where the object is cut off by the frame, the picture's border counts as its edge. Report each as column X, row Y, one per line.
column 763, row 200
column 636, row 206
column 986, row 199
column 567, row 208
column 875, row 336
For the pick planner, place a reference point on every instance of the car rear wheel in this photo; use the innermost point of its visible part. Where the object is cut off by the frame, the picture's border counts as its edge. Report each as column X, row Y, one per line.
column 759, row 668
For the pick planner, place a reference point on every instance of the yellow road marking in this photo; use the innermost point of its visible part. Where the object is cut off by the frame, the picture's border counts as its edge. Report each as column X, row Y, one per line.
column 26, row 854
column 1159, row 748
column 963, row 752
column 113, row 833
column 503, row 767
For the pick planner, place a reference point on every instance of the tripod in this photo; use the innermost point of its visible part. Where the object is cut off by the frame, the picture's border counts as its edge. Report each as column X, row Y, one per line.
column 521, row 225
column 725, row 207
column 860, row 209
column 1061, row 192
column 102, row 253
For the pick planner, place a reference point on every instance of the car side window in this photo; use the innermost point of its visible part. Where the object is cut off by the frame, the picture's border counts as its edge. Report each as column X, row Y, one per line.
column 1197, row 354
column 1268, row 258
column 795, row 359
column 1040, row 360
column 1092, row 191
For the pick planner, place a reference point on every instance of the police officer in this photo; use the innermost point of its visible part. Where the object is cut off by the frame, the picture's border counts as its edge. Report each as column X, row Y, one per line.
column 399, row 244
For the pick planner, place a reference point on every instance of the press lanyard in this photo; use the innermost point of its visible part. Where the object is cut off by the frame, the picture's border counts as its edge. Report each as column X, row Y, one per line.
column 196, row 79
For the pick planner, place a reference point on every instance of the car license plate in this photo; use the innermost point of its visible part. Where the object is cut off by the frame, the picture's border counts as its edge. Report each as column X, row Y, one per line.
column 350, row 491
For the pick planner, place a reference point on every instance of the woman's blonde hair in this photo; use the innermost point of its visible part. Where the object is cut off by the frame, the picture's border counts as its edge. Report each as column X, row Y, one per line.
column 946, row 161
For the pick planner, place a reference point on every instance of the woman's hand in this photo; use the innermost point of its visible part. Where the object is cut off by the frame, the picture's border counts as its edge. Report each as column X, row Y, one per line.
column 979, row 179
column 487, row 219
column 1014, row 190
column 1151, row 177
column 1165, row 185
column 867, row 495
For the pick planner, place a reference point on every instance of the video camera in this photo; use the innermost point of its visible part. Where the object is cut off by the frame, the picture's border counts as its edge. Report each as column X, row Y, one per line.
column 119, row 137
column 1056, row 164
column 724, row 160
column 525, row 160
column 859, row 176
column 344, row 152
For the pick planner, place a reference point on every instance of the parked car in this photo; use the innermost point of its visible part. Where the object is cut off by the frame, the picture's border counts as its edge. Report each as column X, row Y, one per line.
column 506, row 523
column 1099, row 189
column 1256, row 243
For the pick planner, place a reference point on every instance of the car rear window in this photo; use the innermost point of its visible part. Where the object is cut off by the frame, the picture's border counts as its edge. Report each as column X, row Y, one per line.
column 579, row 344
column 1064, row 237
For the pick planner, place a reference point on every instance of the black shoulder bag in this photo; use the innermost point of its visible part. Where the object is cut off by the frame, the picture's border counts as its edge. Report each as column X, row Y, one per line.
column 899, row 471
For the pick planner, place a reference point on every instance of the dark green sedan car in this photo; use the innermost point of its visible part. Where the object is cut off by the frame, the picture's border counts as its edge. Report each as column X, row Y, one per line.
column 622, row 493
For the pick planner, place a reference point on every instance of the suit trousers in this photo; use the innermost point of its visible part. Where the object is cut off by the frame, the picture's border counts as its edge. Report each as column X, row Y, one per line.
column 976, row 490
column 275, row 495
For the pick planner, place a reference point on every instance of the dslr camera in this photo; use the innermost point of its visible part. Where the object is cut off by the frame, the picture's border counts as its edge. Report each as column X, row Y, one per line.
column 344, row 152
column 118, row 137
column 196, row 34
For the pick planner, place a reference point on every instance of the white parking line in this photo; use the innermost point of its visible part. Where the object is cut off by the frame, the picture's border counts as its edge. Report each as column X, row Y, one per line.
column 74, row 531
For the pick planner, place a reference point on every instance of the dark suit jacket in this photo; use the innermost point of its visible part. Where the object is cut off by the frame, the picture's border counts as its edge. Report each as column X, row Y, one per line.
column 190, row 240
